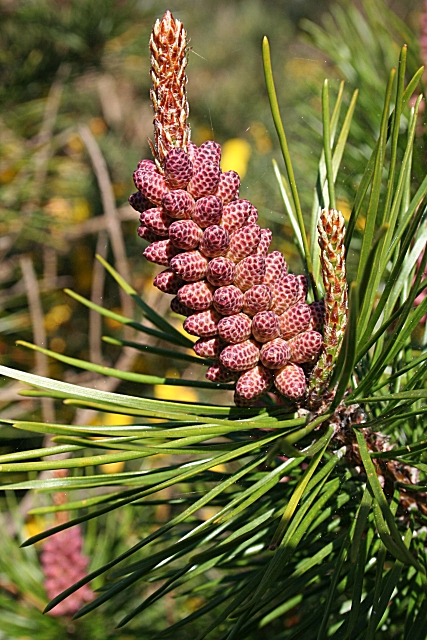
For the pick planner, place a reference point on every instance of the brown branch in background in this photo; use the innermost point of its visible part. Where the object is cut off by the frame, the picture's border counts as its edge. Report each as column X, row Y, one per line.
column 92, row 225
column 50, row 267
column 39, row 333
column 18, row 289
column 98, row 223
column 111, row 102
column 95, row 319
column 110, row 211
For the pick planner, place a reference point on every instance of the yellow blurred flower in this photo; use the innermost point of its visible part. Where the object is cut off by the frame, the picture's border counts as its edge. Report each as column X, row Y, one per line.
column 119, row 189
column 82, row 267
column 208, row 512
column 75, row 143
column 112, row 467
column 56, row 316
column 81, row 209
column 219, row 468
column 261, row 137
column 134, row 62
column 235, row 155
column 33, row 526
column 343, row 206
column 7, row 175
column 111, row 419
column 58, row 345
column 169, row 392
column 201, row 134
column 119, row 42
column 59, row 208
column 195, row 603
column 110, row 322
column 73, row 210
column 97, row 126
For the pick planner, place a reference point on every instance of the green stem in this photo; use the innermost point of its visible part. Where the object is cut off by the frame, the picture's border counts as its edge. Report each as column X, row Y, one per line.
column 275, row 111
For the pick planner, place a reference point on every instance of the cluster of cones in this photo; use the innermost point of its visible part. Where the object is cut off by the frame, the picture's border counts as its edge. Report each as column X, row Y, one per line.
column 250, row 314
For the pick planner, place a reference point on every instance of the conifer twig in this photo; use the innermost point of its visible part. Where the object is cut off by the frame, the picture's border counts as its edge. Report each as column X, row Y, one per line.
column 331, row 230
column 168, row 45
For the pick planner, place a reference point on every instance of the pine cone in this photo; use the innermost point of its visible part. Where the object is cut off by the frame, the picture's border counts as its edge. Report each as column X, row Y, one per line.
column 249, row 313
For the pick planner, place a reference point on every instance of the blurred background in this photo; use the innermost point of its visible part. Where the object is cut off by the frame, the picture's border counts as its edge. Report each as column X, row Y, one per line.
column 74, row 120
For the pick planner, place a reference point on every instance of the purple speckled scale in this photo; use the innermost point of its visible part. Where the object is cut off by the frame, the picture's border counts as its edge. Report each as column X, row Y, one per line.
column 257, row 298
column 290, row 381
column 235, row 214
column 275, row 268
column 207, row 211
column 192, row 150
column 185, row 234
column 218, row 373
column 303, row 287
column 252, row 384
column 161, row 252
column 178, row 169
column 306, row 346
column 208, row 151
column 139, row 202
column 215, row 241
column 147, row 165
column 228, row 186
column 208, row 347
column 285, row 294
column 203, row 324
column 243, row 242
column 275, row 353
column 240, row 357
column 147, row 234
column 168, row 281
column 181, row 309
column 205, row 179
column 235, row 328
column 265, row 326
column 151, row 185
column 253, row 216
column 295, row 320
column 179, row 204
column 228, row 300
column 157, row 220
column 250, row 271
column 196, row 295
column 191, row 266
column 317, row 311
column 220, row 271
column 264, row 243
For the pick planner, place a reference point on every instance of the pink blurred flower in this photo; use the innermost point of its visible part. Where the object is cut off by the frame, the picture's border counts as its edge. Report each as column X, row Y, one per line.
column 63, row 564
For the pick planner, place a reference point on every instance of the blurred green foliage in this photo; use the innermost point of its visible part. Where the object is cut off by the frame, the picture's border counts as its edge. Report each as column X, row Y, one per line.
column 23, row 596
